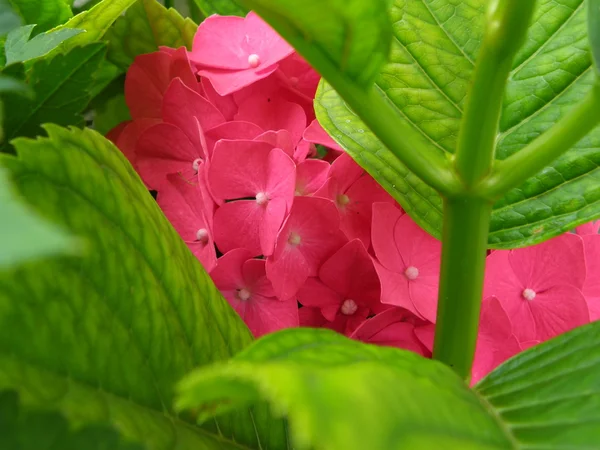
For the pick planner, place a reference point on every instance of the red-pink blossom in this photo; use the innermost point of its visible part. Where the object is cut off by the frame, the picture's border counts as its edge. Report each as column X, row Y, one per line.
column 315, row 134
column 311, row 175
column 243, row 282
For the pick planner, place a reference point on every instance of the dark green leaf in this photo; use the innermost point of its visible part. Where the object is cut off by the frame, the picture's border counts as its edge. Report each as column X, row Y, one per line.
column 427, row 78
column 222, row 7
column 110, row 114
column 549, row 396
column 19, row 48
column 9, row 19
column 351, row 37
column 24, row 236
column 340, row 394
column 104, row 338
column 594, row 30
column 46, row 14
column 61, row 92
column 146, row 26
column 27, row 430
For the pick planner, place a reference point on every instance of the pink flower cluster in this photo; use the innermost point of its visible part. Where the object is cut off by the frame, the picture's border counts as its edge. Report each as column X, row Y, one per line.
column 292, row 231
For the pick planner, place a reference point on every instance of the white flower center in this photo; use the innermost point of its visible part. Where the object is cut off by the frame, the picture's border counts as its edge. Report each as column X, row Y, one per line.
column 528, row 294
column 202, row 235
column 294, row 239
column 342, row 199
column 349, row 307
column 196, row 164
column 243, row 294
column 253, row 60
column 411, row 273
column 261, row 198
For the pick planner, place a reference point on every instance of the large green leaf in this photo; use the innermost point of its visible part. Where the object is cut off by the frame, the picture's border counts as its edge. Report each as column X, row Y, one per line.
column 19, row 47
column 146, row 26
column 427, row 78
column 594, row 30
column 61, row 86
column 103, row 338
column 549, row 396
column 344, row 395
column 351, row 37
column 45, row 14
column 222, row 7
column 23, row 235
column 26, row 430
column 9, row 19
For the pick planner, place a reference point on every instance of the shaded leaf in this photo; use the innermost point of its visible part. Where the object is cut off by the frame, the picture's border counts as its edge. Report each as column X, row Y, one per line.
column 146, row 26
column 104, row 338
column 549, row 396
column 24, row 236
column 222, row 7
column 9, row 19
column 110, row 114
column 427, row 78
column 594, row 30
column 340, row 394
column 19, row 47
column 353, row 36
column 61, row 87
column 45, row 14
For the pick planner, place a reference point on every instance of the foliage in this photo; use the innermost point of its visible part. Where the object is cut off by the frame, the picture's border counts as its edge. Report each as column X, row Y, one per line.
column 19, row 47
column 46, row 14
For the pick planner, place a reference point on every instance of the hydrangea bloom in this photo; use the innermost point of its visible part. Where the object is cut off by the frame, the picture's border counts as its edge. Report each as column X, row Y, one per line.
column 294, row 232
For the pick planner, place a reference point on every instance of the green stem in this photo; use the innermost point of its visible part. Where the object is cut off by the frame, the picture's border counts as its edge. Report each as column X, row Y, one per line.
column 569, row 130
column 465, row 235
column 507, row 25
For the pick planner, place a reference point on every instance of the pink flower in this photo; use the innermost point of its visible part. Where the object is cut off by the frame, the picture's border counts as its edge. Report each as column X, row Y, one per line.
column 317, row 135
column 149, row 77
column 184, row 204
column 244, row 284
column 234, row 52
column 235, row 130
column 347, row 289
column 224, row 103
column 591, row 286
column 540, row 287
column 394, row 327
column 127, row 137
column 250, row 169
column 409, row 261
column 354, row 192
column 311, row 175
column 309, row 235
column 588, row 228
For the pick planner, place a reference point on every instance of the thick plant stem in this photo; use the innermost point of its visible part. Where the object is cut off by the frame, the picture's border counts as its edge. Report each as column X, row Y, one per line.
column 465, row 235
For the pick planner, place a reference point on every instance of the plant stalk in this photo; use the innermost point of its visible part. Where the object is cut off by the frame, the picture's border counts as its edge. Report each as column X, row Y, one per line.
column 464, row 249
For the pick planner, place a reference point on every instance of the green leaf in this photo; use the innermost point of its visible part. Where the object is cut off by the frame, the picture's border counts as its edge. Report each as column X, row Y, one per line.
column 146, row 26
column 104, row 338
column 95, row 21
column 24, row 430
column 594, row 30
column 110, row 114
column 222, row 7
column 61, row 92
column 19, row 48
column 24, row 236
column 340, row 394
column 9, row 19
column 549, row 396
column 427, row 78
column 351, row 37
column 46, row 14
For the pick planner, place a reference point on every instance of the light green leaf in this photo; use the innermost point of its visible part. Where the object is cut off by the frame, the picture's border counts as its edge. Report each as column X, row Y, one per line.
column 61, row 87
column 340, row 394
column 351, row 37
column 26, row 430
column 594, row 30
column 222, row 7
column 9, row 19
column 104, row 338
column 19, row 48
column 146, row 26
column 45, row 14
column 24, row 236
column 95, row 21
column 549, row 396
column 427, row 78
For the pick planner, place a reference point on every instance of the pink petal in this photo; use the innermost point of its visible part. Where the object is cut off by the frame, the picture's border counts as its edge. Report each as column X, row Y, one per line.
column 273, row 113
column 128, row 138
column 385, row 217
column 394, row 288
column 225, row 104
column 237, row 225
column 265, row 315
column 279, row 139
column 343, row 174
column 255, row 277
column 426, row 335
column 114, row 133
column 299, row 75
column 350, row 273
column 273, row 217
column 227, row 275
column 227, row 82
column 424, row 295
column 317, row 135
column 588, row 228
column 232, row 131
column 280, row 176
column 560, row 260
column 311, row 317
column 311, row 175
column 594, row 308
column 591, row 244
column 288, row 273
column 315, row 294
